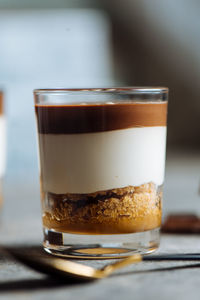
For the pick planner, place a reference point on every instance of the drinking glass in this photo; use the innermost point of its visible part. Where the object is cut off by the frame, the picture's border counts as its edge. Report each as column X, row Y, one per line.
column 102, row 163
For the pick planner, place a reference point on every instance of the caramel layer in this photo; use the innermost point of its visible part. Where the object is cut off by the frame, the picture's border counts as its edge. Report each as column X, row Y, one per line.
column 122, row 210
column 85, row 118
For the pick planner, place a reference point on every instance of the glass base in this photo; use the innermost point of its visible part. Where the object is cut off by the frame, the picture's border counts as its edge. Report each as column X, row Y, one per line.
column 100, row 246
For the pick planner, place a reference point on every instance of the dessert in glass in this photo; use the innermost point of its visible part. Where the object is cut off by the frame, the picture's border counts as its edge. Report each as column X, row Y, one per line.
column 102, row 163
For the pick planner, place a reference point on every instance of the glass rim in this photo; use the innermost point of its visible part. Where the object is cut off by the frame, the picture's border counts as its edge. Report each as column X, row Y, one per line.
column 139, row 89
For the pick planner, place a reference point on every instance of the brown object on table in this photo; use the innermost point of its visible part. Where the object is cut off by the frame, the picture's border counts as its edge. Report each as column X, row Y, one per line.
column 181, row 223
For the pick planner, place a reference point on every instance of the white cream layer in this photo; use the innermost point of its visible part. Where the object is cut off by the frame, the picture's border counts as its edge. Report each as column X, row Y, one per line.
column 90, row 162
column 2, row 145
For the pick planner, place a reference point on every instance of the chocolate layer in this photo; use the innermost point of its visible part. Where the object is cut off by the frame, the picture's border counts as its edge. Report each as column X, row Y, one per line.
column 85, row 118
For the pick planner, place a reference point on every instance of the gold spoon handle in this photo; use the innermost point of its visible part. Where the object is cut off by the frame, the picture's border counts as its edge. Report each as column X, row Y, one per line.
column 107, row 270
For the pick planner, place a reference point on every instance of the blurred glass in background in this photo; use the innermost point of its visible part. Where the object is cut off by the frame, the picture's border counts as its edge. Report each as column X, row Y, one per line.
column 2, row 145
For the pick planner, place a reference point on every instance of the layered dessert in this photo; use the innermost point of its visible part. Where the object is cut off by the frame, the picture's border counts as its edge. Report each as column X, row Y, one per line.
column 102, row 166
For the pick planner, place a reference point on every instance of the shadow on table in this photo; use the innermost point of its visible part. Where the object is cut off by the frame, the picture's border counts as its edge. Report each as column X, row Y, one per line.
column 173, row 268
column 54, row 282
column 47, row 282
column 51, row 283
column 34, row 284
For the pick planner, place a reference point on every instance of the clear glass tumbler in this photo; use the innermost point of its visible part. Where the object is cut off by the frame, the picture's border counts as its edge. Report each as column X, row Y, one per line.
column 102, row 162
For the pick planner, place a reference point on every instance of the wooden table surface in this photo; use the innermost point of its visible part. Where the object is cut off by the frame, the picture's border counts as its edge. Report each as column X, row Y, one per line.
column 21, row 224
